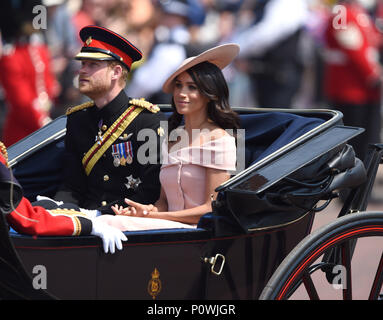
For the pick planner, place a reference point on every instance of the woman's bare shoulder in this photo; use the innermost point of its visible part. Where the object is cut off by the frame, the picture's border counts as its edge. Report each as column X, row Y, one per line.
column 217, row 133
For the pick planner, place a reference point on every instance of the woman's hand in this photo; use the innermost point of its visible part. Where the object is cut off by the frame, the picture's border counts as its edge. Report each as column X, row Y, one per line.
column 134, row 208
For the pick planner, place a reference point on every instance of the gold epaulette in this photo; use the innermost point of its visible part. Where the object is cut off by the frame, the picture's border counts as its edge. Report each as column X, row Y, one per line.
column 145, row 104
column 79, row 107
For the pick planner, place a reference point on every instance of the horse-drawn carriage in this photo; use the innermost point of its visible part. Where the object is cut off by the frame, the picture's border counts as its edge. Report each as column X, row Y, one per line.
column 255, row 244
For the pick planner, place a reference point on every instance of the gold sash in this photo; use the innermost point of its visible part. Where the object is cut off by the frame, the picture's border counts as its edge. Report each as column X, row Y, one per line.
column 111, row 135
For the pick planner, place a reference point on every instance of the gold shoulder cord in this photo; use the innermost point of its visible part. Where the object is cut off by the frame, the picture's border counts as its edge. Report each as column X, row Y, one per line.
column 144, row 104
column 85, row 105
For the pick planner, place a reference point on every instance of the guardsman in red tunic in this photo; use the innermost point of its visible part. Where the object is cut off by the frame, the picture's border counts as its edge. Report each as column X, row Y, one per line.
column 29, row 87
column 26, row 76
column 352, row 74
column 35, row 220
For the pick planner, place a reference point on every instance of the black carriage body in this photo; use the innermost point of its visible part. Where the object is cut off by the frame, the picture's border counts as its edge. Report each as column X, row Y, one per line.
column 78, row 268
column 179, row 263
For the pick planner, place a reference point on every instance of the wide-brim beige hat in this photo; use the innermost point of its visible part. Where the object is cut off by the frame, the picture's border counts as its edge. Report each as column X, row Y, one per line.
column 221, row 56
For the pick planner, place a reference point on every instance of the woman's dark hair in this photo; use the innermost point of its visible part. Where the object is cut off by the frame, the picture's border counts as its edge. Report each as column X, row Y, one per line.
column 212, row 84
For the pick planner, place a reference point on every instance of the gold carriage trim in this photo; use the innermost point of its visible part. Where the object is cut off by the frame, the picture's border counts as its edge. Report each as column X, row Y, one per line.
column 85, row 105
column 145, row 104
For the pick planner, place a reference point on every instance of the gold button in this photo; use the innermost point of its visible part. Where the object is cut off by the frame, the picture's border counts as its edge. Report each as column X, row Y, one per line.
column 106, row 177
column 104, row 127
column 103, row 203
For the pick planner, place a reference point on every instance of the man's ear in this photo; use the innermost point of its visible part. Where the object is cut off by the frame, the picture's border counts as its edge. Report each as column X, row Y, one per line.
column 117, row 72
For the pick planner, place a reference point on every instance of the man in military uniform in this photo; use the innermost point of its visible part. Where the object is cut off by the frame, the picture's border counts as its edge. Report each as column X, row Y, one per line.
column 103, row 163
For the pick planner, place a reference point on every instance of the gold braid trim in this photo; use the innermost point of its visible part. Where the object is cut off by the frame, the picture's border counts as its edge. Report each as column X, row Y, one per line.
column 77, row 226
column 3, row 150
column 85, row 105
column 145, row 104
column 71, row 213
column 67, row 212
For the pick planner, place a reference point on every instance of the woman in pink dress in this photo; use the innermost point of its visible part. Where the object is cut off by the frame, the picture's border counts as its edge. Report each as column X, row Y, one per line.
column 197, row 156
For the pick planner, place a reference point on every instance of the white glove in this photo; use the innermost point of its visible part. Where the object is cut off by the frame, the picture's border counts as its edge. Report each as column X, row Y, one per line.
column 111, row 237
column 39, row 198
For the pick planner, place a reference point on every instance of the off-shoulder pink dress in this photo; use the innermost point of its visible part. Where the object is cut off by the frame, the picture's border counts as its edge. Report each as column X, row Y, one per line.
column 182, row 176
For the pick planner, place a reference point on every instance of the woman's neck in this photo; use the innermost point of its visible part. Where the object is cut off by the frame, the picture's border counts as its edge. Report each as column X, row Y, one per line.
column 193, row 122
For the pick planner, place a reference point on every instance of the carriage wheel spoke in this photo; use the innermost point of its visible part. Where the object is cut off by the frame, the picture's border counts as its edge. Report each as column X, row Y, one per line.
column 309, row 285
column 378, row 280
column 346, row 262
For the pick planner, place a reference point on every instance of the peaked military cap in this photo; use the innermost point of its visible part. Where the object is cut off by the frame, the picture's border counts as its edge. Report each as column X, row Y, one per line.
column 103, row 44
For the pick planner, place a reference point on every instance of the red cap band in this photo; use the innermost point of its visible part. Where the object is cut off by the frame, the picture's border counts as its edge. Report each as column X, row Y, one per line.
column 93, row 43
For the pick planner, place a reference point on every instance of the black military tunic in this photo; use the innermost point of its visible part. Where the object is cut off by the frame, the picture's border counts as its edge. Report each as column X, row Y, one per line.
column 124, row 170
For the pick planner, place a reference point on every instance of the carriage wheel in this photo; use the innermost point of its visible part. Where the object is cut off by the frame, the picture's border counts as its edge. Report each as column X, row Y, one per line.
column 325, row 257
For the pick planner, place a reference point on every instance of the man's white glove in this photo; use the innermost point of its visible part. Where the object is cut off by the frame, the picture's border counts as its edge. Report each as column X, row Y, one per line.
column 111, row 237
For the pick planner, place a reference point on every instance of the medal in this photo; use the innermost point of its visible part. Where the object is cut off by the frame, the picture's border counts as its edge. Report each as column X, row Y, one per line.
column 116, row 161
column 129, row 152
column 99, row 133
column 132, row 183
column 122, row 153
column 116, row 156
